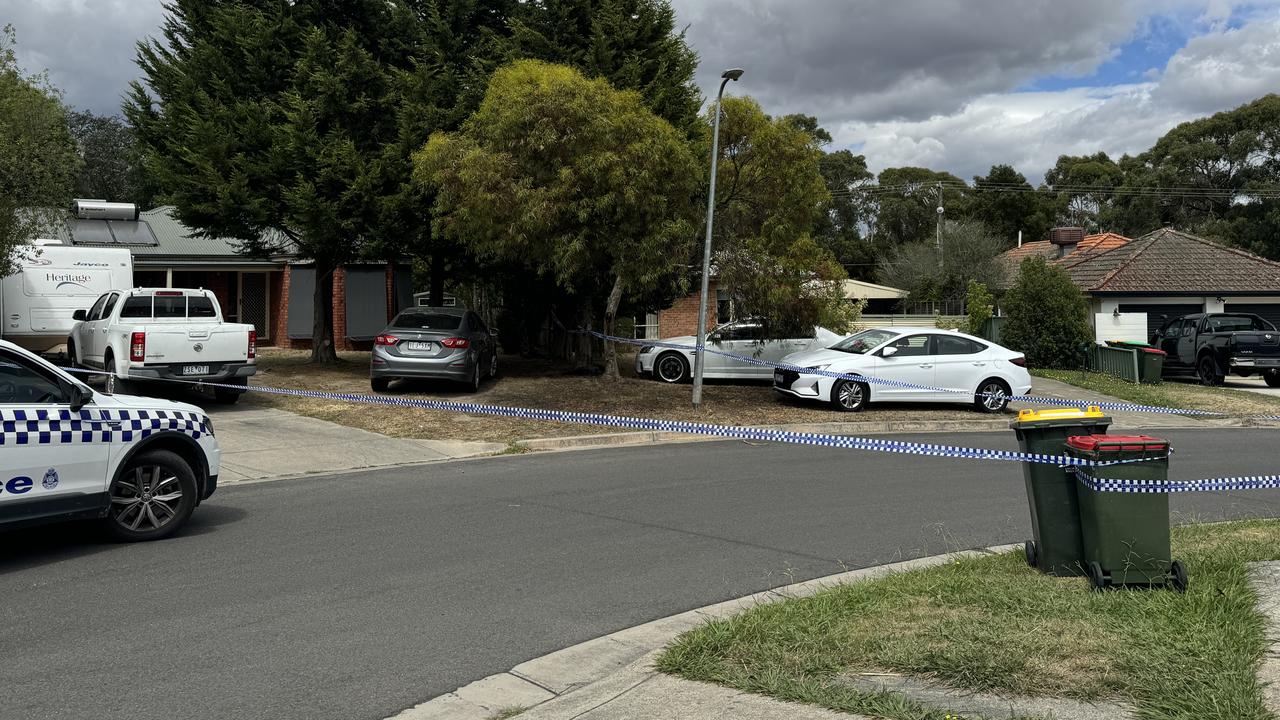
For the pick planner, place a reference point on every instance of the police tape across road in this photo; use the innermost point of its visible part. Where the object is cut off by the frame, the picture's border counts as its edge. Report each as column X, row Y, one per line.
column 1113, row 406
column 764, row 434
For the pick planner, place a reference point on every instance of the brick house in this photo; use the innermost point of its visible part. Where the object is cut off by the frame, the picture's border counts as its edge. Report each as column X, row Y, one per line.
column 682, row 317
column 1165, row 274
column 274, row 294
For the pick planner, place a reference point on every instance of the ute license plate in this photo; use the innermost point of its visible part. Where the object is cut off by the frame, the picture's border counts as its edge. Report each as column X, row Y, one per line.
column 195, row 369
column 419, row 346
column 777, row 378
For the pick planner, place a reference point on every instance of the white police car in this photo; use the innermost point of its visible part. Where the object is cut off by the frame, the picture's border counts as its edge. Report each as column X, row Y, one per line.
column 67, row 452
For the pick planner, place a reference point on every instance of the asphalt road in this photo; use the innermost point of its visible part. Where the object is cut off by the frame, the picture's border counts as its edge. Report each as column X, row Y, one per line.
column 358, row 595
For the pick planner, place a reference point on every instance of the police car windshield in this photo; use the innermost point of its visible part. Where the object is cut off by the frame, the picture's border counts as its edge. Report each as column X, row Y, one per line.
column 864, row 341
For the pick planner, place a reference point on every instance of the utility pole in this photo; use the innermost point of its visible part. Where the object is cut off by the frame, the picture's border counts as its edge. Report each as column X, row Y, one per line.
column 941, row 211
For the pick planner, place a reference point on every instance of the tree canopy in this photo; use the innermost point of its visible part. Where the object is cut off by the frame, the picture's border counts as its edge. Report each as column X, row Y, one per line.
column 571, row 179
column 770, row 194
column 38, row 160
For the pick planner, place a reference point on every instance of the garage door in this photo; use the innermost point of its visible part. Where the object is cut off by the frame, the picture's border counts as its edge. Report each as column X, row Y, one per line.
column 1154, row 321
column 1270, row 311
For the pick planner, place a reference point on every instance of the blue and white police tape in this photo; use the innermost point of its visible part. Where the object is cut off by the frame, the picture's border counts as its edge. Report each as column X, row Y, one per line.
column 677, row 426
column 1112, row 406
column 1124, row 485
column 764, row 434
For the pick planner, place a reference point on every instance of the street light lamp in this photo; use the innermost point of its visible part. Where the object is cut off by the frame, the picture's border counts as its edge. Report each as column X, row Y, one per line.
column 727, row 75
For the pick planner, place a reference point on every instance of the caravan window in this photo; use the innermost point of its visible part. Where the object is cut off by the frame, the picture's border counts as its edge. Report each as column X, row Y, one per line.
column 138, row 306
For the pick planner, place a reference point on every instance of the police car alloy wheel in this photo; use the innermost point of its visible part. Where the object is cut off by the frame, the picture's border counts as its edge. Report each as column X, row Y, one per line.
column 152, row 497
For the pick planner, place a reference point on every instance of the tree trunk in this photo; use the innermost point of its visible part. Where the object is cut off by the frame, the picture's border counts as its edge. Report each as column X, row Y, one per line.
column 585, row 358
column 322, row 347
column 437, row 280
column 610, row 325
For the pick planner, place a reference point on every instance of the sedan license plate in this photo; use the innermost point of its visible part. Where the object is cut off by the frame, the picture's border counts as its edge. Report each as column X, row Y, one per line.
column 195, row 369
column 419, row 346
column 777, row 378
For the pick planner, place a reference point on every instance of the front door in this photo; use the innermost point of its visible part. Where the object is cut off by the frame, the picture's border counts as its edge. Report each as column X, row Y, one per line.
column 911, row 363
column 1187, row 344
column 55, row 459
column 1167, row 340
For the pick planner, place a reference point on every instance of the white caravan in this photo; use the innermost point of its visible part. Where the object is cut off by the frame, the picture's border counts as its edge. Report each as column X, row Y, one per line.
column 51, row 283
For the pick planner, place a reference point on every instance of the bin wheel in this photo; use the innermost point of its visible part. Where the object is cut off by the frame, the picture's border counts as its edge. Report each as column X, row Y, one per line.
column 1178, row 576
column 1032, row 552
column 1097, row 579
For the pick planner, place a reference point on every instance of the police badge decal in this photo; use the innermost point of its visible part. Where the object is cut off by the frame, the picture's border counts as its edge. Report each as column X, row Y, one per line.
column 50, row 479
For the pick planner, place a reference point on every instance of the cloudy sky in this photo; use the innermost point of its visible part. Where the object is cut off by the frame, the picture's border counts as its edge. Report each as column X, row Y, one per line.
column 949, row 84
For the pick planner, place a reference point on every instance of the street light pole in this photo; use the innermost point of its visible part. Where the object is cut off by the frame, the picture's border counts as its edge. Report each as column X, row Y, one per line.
column 726, row 76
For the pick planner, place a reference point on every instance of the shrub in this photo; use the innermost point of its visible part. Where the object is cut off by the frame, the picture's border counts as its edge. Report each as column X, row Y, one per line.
column 979, row 304
column 1046, row 316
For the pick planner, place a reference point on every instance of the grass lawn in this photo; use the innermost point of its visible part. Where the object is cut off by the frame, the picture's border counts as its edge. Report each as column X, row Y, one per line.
column 1170, row 393
column 991, row 623
column 546, row 385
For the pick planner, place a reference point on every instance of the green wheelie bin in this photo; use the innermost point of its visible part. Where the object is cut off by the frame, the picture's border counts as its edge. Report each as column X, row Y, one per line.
column 1125, row 527
column 1056, row 547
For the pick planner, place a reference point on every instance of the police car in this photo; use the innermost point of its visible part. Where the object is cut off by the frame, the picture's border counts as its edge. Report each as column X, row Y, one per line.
column 141, row 465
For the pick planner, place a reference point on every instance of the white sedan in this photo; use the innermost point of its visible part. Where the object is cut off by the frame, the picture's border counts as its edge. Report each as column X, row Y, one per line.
column 744, row 337
column 918, row 365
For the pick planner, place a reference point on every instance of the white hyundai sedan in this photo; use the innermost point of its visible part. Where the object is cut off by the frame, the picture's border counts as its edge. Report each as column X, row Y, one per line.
column 913, row 365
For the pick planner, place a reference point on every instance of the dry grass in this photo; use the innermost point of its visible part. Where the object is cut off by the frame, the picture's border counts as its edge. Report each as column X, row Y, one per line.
column 991, row 624
column 1172, row 393
column 546, row 385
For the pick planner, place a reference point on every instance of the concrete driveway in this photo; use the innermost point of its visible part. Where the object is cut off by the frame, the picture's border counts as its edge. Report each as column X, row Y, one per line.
column 1252, row 384
column 261, row 443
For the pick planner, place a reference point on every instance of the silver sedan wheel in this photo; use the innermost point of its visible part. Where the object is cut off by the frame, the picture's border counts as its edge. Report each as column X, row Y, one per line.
column 146, row 499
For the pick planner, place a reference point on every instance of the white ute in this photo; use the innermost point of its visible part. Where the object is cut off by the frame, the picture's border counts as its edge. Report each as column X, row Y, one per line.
column 163, row 333
column 140, row 465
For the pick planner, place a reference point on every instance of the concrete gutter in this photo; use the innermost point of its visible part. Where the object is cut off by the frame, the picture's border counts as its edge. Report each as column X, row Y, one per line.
column 617, row 670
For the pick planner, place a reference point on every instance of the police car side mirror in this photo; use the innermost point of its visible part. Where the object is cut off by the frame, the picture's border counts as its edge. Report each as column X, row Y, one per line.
column 81, row 395
column 79, row 315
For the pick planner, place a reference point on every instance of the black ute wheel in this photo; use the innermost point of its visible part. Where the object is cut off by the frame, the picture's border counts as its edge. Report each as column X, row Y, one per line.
column 229, row 396
column 153, row 496
column 1097, row 578
column 992, row 396
column 1207, row 371
column 1272, row 378
column 1178, row 576
column 1032, row 552
column 849, row 396
column 671, row 367
column 379, row 384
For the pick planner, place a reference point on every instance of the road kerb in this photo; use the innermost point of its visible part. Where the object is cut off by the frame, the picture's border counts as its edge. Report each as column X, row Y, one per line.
column 570, row 681
column 651, row 437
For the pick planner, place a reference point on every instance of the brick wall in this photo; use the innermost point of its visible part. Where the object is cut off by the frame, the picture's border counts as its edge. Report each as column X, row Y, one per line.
column 682, row 317
column 281, row 321
column 277, row 292
column 340, row 309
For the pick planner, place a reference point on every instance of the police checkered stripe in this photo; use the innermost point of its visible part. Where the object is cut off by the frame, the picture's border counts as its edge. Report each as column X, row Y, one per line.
column 64, row 427
column 1124, row 485
column 1116, row 407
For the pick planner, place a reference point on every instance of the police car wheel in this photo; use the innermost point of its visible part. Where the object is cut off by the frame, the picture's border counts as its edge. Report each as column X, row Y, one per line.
column 152, row 497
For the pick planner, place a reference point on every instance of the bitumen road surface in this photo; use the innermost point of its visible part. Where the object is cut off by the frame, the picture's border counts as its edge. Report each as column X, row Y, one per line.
column 357, row 595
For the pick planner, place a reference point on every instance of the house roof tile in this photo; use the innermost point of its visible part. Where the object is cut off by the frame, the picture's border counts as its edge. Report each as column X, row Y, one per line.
column 1173, row 262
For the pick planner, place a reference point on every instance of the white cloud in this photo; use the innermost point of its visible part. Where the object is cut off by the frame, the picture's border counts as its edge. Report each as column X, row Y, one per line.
column 1222, row 68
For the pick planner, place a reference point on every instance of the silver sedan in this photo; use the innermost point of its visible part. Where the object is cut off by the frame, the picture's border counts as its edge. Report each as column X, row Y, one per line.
column 435, row 343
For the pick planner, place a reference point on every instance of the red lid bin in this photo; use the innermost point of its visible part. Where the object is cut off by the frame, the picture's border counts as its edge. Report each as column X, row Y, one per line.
column 1117, row 443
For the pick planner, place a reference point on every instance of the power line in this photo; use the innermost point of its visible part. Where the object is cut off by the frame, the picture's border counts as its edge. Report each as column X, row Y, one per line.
column 1192, row 192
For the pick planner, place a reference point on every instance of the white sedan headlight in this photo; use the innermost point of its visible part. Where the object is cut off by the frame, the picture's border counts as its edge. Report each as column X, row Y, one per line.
column 819, row 367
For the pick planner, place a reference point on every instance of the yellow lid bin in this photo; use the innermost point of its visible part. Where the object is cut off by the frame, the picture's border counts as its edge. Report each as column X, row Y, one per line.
column 1093, row 411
